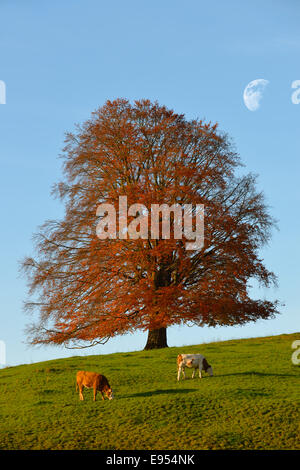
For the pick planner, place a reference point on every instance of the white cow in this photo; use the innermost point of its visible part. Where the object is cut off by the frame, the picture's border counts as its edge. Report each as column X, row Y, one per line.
column 192, row 361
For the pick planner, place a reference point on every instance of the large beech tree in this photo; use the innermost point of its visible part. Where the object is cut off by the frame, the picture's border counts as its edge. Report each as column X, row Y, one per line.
column 88, row 290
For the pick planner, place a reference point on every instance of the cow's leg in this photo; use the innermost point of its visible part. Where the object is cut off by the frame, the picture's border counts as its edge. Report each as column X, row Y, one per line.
column 193, row 374
column 200, row 375
column 102, row 396
column 179, row 372
column 95, row 392
column 80, row 391
column 183, row 372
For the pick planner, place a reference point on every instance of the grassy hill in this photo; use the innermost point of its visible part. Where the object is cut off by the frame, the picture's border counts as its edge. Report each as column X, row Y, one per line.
column 252, row 402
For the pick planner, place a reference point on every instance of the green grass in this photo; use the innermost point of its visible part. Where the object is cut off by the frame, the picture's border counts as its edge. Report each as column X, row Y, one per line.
column 251, row 402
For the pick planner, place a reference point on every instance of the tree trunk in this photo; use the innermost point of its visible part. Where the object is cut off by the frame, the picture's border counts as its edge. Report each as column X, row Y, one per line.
column 157, row 339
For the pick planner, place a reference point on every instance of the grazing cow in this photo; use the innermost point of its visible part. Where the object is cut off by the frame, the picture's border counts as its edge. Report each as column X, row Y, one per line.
column 93, row 380
column 195, row 361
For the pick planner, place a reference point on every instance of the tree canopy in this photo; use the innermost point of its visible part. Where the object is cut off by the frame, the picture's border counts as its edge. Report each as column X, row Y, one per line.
column 88, row 290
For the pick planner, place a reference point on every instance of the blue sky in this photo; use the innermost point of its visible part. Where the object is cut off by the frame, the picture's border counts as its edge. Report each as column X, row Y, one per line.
column 60, row 60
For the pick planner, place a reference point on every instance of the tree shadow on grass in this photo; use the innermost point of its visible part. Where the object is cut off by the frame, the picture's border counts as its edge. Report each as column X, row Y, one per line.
column 161, row 392
column 251, row 393
column 258, row 374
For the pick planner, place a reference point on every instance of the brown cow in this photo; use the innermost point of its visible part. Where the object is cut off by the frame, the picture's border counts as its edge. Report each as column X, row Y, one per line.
column 93, row 380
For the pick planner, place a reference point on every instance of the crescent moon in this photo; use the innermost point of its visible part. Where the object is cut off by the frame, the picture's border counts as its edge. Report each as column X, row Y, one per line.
column 253, row 93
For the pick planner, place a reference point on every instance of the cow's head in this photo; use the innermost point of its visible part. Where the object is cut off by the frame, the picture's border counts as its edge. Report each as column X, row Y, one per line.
column 109, row 393
column 207, row 367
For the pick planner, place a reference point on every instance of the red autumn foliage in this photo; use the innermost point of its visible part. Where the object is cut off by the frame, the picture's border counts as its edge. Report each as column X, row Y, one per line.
column 88, row 290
